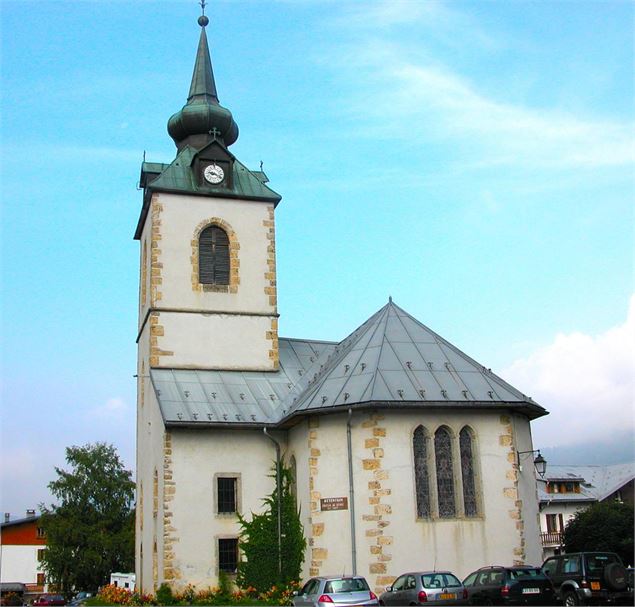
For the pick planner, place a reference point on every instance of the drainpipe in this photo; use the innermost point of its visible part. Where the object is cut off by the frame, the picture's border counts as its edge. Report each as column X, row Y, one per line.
column 351, row 491
column 279, row 493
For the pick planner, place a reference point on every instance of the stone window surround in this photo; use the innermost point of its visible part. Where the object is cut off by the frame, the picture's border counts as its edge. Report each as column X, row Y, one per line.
column 234, row 262
column 239, row 506
column 458, row 481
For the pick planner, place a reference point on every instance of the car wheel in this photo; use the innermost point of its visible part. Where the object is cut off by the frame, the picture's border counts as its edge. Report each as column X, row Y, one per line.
column 570, row 599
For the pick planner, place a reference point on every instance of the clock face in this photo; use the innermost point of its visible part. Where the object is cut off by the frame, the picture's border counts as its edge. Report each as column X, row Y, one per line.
column 213, row 173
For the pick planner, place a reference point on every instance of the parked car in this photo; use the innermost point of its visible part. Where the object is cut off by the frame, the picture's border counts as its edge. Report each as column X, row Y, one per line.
column 582, row 578
column 335, row 590
column 80, row 598
column 425, row 587
column 49, row 599
column 509, row 586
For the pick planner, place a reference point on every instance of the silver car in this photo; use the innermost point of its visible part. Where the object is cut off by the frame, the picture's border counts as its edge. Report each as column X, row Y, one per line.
column 335, row 590
column 425, row 588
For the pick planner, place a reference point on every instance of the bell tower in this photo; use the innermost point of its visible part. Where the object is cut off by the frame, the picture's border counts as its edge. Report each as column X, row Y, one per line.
column 207, row 290
column 207, row 235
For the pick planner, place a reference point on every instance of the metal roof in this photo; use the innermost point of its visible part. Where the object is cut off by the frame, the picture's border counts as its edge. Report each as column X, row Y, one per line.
column 598, row 482
column 391, row 360
column 178, row 176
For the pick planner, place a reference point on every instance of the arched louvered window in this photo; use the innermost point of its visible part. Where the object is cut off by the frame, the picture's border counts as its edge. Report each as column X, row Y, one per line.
column 213, row 256
column 422, row 483
column 467, row 472
column 445, row 472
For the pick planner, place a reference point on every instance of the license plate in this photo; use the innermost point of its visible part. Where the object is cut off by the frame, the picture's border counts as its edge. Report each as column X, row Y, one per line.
column 531, row 590
column 447, row 596
column 595, row 585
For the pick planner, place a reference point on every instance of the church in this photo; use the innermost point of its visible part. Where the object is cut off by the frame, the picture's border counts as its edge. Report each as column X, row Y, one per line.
column 407, row 454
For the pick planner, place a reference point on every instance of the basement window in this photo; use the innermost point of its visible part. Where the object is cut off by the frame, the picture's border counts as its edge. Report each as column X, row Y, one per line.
column 228, row 554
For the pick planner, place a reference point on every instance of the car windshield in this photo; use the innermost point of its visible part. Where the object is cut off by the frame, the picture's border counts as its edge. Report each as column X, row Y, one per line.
column 345, row 585
column 597, row 562
column 516, row 574
column 439, row 580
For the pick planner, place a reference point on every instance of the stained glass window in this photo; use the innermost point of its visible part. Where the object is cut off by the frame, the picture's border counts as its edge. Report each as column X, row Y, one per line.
column 419, row 443
column 445, row 472
column 467, row 473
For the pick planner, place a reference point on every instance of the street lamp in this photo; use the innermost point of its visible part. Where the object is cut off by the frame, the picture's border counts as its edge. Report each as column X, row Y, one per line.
column 540, row 463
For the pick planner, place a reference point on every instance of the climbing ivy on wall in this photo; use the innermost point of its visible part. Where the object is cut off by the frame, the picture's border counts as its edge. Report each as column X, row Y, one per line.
column 260, row 567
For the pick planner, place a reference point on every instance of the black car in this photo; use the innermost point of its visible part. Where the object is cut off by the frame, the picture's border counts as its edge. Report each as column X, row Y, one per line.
column 509, row 586
column 584, row 578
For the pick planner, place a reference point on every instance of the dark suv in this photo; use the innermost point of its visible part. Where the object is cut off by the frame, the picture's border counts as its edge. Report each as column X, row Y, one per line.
column 509, row 586
column 583, row 578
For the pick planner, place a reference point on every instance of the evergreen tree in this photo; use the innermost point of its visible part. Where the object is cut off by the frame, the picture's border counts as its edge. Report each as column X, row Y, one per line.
column 260, row 568
column 90, row 533
column 605, row 526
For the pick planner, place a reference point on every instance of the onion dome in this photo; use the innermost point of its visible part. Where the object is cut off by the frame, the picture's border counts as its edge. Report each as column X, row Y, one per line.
column 202, row 118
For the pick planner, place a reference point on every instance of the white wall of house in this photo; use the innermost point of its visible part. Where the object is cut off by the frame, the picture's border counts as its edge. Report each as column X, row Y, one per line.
column 19, row 563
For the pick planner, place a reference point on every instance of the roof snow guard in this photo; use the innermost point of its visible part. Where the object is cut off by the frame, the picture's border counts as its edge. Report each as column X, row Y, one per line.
column 390, row 361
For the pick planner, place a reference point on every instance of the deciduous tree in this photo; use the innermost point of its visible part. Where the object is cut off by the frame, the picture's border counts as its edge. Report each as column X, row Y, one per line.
column 605, row 526
column 90, row 532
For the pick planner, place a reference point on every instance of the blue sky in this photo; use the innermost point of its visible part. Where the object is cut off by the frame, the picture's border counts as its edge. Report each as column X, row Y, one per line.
column 474, row 160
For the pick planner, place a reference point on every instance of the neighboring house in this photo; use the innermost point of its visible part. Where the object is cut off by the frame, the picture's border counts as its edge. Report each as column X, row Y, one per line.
column 405, row 451
column 123, row 580
column 566, row 490
column 21, row 544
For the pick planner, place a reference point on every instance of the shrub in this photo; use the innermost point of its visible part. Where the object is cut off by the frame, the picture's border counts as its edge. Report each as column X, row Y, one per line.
column 164, row 595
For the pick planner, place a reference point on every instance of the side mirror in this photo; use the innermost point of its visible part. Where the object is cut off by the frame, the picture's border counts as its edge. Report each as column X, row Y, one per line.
column 388, row 588
column 296, row 593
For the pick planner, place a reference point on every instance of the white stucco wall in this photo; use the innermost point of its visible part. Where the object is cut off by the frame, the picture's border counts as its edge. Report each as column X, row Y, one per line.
column 150, row 457
column 462, row 544
column 19, row 563
column 197, row 456
column 180, row 217
column 217, row 340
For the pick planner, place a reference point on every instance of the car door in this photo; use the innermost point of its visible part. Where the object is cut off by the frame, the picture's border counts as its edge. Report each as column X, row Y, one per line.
column 469, row 584
column 395, row 596
column 306, row 596
column 409, row 594
column 483, row 588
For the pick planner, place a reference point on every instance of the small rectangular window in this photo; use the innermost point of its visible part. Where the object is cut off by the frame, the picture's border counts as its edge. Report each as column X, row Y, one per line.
column 41, row 580
column 226, row 494
column 40, row 532
column 40, row 554
column 228, row 555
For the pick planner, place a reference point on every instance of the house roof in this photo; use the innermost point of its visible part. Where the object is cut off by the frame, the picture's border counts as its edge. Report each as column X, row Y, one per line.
column 391, row 360
column 597, row 482
column 20, row 521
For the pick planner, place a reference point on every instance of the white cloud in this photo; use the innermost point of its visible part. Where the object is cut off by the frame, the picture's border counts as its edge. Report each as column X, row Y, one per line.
column 114, row 409
column 406, row 90
column 587, row 384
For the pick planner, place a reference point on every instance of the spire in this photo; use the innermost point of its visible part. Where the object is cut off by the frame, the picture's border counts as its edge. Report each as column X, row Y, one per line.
column 203, row 77
column 202, row 118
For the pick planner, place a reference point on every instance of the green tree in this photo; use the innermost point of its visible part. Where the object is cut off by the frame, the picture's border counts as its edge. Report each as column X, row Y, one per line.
column 90, row 533
column 605, row 526
column 259, row 540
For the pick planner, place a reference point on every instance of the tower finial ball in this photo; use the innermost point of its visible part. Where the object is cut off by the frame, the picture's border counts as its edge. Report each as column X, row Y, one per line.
column 203, row 20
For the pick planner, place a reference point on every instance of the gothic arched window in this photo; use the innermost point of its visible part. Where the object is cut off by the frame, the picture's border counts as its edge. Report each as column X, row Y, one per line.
column 422, row 483
column 467, row 472
column 213, row 256
column 445, row 472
